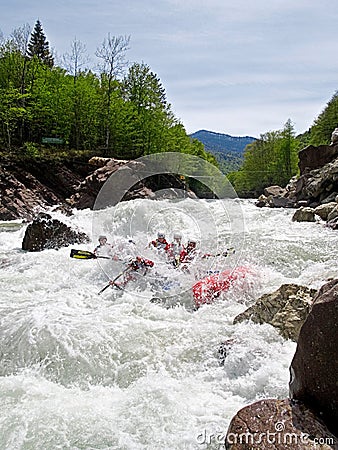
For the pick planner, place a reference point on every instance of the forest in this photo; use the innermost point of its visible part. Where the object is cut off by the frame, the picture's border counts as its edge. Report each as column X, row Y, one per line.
column 120, row 110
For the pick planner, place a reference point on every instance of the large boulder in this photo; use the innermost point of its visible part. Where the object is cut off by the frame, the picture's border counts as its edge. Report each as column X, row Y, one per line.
column 279, row 425
column 325, row 209
column 313, row 157
column 45, row 232
column 314, row 367
column 130, row 173
column 286, row 309
column 304, row 214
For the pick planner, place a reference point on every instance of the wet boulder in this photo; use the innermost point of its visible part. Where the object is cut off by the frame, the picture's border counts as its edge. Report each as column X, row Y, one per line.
column 45, row 232
column 315, row 363
column 279, row 425
column 325, row 209
column 286, row 309
column 304, row 214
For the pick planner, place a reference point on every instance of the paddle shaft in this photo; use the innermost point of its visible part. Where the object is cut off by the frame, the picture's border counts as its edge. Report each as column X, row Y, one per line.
column 113, row 281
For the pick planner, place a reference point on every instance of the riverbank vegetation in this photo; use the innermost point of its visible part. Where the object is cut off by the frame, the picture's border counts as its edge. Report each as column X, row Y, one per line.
column 118, row 111
column 59, row 110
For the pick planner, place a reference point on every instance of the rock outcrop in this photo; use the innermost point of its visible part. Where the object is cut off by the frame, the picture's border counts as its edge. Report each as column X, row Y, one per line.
column 286, row 309
column 309, row 419
column 89, row 188
column 28, row 187
column 315, row 365
column 45, row 232
column 316, row 186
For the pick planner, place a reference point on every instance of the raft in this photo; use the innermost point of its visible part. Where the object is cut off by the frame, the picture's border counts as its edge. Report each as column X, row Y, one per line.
column 205, row 291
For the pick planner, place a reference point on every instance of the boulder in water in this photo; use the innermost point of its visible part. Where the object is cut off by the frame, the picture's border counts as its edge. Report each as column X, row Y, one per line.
column 304, row 214
column 286, row 309
column 279, row 425
column 45, row 232
column 314, row 367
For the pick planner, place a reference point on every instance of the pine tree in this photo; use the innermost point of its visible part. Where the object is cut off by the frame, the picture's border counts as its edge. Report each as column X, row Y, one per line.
column 39, row 46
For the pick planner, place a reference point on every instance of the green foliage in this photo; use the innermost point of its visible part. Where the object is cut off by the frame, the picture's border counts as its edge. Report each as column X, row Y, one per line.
column 38, row 46
column 119, row 113
column 326, row 122
column 270, row 160
column 31, row 150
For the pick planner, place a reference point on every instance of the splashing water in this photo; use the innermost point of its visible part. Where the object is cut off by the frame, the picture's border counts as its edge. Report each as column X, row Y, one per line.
column 82, row 371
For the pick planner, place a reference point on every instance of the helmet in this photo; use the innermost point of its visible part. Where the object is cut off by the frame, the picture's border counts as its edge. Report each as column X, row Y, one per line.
column 160, row 236
column 177, row 236
column 192, row 243
column 102, row 237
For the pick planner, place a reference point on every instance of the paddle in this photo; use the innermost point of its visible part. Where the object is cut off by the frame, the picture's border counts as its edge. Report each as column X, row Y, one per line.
column 229, row 251
column 111, row 282
column 85, row 254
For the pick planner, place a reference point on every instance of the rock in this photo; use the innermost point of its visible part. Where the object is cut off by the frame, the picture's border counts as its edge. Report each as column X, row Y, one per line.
column 45, row 232
column 334, row 136
column 99, row 161
column 333, row 213
column 87, row 191
column 262, row 201
column 28, row 187
column 314, row 367
column 286, row 309
column 318, row 184
column 279, row 425
column 313, row 157
column 274, row 191
column 281, row 202
column 304, row 214
column 323, row 210
column 330, row 198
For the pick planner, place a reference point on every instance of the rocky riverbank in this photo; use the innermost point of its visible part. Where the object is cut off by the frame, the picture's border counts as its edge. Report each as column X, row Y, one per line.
column 315, row 192
column 31, row 187
column 308, row 418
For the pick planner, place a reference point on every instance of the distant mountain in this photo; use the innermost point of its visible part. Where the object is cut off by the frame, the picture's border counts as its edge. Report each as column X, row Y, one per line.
column 227, row 149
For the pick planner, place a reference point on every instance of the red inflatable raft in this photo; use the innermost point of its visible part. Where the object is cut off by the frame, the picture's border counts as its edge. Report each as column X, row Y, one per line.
column 209, row 288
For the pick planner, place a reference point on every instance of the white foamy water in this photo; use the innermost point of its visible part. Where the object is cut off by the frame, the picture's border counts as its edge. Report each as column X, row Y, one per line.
column 115, row 371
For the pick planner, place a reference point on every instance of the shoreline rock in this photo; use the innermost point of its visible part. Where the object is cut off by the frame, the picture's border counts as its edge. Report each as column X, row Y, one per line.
column 309, row 418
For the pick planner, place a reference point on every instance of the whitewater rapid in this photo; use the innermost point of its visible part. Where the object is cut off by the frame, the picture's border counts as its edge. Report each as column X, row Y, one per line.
column 115, row 371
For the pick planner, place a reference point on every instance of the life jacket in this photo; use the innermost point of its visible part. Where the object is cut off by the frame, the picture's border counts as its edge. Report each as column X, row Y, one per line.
column 188, row 257
column 160, row 245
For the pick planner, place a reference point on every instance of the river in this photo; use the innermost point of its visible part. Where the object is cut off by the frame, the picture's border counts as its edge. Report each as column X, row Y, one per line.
column 80, row 370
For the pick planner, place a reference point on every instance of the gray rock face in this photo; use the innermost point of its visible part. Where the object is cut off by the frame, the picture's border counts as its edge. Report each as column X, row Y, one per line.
column 304, row 214
column 314, row 367
column 313, row 157
column 325, row 209
column 286, row 309
column 27, row 188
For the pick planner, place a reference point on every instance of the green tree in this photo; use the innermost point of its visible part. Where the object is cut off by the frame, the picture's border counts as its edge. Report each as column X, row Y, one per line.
column 143, row 91
column 112, row 55
column 325, row 123
column 38, row 46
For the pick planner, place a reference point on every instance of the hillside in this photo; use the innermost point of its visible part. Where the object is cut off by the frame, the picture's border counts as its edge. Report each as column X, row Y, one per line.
column 227, row 149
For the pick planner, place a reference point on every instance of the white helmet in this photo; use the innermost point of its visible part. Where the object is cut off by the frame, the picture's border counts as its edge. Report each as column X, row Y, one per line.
column 177, row 236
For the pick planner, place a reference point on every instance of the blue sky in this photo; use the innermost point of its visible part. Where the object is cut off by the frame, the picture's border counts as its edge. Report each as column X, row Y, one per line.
column 242, row 67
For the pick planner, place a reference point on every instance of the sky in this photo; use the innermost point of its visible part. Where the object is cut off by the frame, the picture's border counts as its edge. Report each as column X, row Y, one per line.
column 239, row 67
